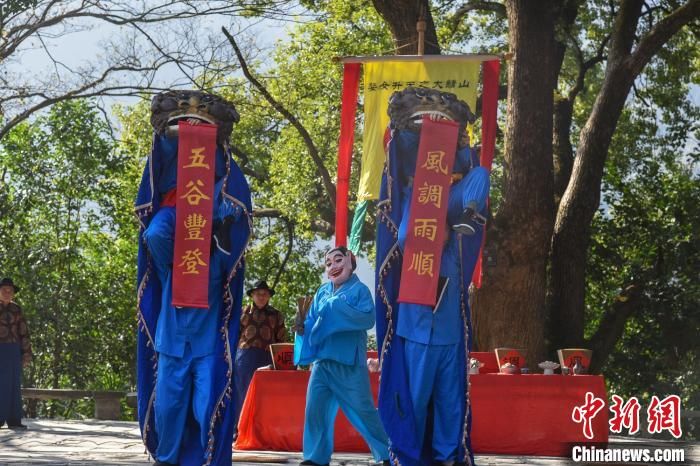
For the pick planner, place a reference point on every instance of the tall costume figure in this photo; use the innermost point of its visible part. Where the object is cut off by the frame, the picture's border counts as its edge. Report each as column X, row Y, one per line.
column 185, row 355
column 423, row 395
column 334, row 337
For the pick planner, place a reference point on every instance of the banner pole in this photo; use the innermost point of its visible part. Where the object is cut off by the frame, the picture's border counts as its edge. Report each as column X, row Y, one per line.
column 420, row 27
column 421, row 58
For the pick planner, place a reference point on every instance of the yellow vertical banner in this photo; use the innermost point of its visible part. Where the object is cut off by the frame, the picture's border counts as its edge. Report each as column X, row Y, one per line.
column 381, row 79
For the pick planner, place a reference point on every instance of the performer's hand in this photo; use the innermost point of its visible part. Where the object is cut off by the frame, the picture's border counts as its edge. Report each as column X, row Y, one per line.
column 298, row 324
column 194, row 121
column 436, row 117
column 229, row 210
column 373, row 364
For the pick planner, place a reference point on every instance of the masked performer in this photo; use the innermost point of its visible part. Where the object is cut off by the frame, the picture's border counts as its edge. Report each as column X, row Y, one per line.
column 334, row 337
column 185, row 355
column 423, row 397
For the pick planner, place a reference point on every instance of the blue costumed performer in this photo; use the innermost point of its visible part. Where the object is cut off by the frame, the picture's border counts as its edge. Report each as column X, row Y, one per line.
column 424, row 395
column 334, row 338
column 185, row 355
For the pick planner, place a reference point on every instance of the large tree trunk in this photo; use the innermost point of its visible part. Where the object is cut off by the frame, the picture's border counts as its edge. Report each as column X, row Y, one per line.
column 565, row 16
column 576, row 209
column 509, row 308
column 402, row 18
column 582, row 196
column 563, row 150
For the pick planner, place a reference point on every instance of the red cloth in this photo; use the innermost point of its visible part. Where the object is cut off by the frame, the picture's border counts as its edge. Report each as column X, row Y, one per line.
column 196, row 159
column 512, row 414
column 489, row 360
column 169, row 198
column 425, row 235
column 348, row 107
column 489, row 115
column 272, row 417
column 531, row 414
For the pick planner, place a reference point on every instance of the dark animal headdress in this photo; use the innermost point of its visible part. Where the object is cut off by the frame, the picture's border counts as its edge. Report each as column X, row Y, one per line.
column 167, row 108
column 407, row 107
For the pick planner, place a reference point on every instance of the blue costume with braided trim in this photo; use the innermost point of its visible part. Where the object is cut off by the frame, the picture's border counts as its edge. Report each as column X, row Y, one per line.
column 187, row 419
column 423, row 394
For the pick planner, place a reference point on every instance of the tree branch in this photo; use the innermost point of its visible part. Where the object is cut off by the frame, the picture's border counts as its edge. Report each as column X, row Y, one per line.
column 311, row 147
column 290, row 247
column 318, row 225
column 586, row 65
column 267, row 213
column 652, row 42
column 245, row 160
column 494, row 7
column 624, row 31
column 612, row 325
column 79, row 93
column 143, row 23
column 565, row 14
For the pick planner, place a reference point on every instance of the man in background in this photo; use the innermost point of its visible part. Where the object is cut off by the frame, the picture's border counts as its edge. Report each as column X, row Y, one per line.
column 15, row 352
column 261, row 325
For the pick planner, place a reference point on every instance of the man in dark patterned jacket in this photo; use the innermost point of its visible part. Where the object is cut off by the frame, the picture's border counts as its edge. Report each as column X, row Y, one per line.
column 261, row 325
column 15, row 352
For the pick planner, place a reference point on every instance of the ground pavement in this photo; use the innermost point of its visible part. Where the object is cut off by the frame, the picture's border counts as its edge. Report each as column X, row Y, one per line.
column 117, row 443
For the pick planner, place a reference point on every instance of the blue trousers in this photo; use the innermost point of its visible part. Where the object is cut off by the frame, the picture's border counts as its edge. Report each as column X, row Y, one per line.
column 188, row 384
column 431, row 377
column 247, row 362
column 334, row 385
column 10, row 384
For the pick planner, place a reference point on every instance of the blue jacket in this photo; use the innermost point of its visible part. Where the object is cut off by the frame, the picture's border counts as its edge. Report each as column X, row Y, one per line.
column 336, row 325
column 444, row 325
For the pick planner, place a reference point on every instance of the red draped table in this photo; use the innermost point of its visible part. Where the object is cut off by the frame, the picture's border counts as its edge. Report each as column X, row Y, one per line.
column 511, row 414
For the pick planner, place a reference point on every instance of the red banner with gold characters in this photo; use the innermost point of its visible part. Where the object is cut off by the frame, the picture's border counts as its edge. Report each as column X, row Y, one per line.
column 196, row 158
column 426, row 232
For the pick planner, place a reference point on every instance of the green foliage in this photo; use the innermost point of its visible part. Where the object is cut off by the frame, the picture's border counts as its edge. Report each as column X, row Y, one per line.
column 12, row 7
column 307, row 80
column 301, row 275
column 64, row 239
column 647, row 234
